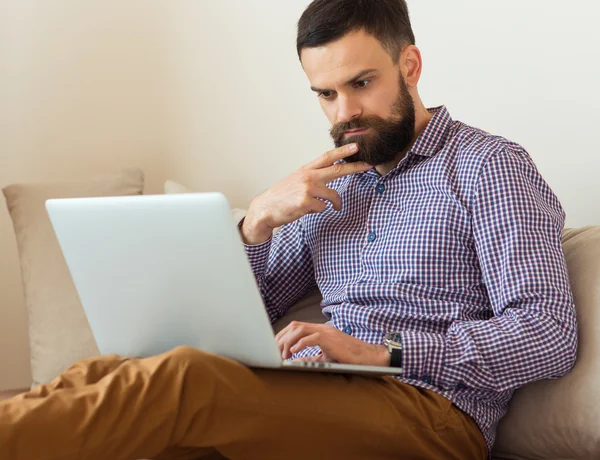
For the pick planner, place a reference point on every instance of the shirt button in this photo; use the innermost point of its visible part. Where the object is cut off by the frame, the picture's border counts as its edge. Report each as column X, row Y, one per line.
column 380, row 188
column 348, row 330
column 372, row 237
column 426, row 379
column 460, row 386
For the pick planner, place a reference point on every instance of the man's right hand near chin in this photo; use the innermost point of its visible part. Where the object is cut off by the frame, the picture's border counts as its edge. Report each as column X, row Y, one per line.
column 299, row 194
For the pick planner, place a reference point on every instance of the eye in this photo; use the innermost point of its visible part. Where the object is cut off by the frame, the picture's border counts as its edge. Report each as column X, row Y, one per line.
column 326, row 94
column 362, row 83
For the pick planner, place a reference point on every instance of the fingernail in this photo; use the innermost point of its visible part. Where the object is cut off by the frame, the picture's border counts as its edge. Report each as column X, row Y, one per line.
column 353, row 147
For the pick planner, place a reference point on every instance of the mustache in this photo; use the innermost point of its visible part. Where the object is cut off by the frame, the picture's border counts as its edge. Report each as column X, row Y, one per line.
column 337, row 131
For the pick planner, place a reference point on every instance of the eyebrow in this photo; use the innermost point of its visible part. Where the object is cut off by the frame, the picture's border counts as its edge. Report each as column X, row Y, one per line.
column 355, row 78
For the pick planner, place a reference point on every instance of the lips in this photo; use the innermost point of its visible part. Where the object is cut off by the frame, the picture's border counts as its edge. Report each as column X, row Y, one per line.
column 353, row 132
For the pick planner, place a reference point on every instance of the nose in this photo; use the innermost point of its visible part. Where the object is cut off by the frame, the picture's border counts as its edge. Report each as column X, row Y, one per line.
column 348, row 109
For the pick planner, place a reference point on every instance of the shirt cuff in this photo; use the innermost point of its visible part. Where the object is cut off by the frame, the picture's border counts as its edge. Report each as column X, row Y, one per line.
column 423, row 357
column 258, row 254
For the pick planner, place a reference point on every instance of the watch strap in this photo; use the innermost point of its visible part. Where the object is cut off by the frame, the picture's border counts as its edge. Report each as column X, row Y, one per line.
column 396, row 357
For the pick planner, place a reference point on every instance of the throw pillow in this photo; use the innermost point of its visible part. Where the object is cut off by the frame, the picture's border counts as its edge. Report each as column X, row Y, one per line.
column 59, row 333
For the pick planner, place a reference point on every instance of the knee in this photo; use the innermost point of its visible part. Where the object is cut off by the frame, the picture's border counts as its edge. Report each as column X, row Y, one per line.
column 190, row 358
column 186, row 356
column 191, row 364
column 185, row 353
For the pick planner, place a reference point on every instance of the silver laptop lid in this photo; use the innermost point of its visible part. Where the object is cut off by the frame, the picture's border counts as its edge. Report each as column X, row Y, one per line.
column 155, row 272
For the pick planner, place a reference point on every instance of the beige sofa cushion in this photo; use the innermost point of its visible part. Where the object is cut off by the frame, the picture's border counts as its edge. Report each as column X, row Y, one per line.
column 59, row 333
column 172, row 187
column 308, row 310
column 560, row 419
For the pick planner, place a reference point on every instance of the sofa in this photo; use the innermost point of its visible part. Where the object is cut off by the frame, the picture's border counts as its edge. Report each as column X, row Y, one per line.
column 550, row 419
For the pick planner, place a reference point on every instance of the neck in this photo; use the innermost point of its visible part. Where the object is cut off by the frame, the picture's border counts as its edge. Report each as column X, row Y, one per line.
column 422, row 119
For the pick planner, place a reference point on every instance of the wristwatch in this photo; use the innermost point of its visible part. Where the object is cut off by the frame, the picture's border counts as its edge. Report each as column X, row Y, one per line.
column 393, row 342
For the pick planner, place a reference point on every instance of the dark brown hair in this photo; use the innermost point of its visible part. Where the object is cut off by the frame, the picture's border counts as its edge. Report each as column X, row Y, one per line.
column 325, row 21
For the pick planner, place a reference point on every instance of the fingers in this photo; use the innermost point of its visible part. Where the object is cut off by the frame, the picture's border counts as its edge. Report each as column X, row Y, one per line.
column 283, row 338
column 293, row 334
column 312, row 179
column 313, row 196
column 330, row 195
column 311, row 340
column 313, row 202
column 316, row 206
column 330, row 157
column 342, row 169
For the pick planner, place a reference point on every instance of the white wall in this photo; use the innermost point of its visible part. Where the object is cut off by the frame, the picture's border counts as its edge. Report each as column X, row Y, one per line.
column 526, row 70
column 242, row 113
column 210, row 93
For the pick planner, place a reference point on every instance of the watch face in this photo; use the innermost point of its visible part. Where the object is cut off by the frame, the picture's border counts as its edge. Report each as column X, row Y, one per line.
column 394, row 337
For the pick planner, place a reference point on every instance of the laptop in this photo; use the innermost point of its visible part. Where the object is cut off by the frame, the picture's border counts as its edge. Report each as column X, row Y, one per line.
column 155, row 272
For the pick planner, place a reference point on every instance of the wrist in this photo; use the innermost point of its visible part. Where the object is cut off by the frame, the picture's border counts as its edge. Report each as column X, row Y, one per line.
column 383, row 357
column 392, row 341
column 254, row 231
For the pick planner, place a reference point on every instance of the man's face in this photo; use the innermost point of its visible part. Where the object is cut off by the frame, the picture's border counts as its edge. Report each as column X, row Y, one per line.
column 364, row 96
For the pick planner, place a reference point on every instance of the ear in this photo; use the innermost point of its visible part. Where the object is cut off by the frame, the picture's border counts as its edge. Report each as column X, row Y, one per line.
column 411, row 65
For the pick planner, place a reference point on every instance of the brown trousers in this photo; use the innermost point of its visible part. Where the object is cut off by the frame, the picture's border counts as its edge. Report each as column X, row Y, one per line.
column 187, row 404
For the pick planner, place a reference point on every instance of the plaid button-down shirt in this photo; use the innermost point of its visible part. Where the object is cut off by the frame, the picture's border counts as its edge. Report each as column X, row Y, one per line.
column 458, row 248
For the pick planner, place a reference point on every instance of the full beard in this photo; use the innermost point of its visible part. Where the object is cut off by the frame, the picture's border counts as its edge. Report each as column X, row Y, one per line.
column 390, row 136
